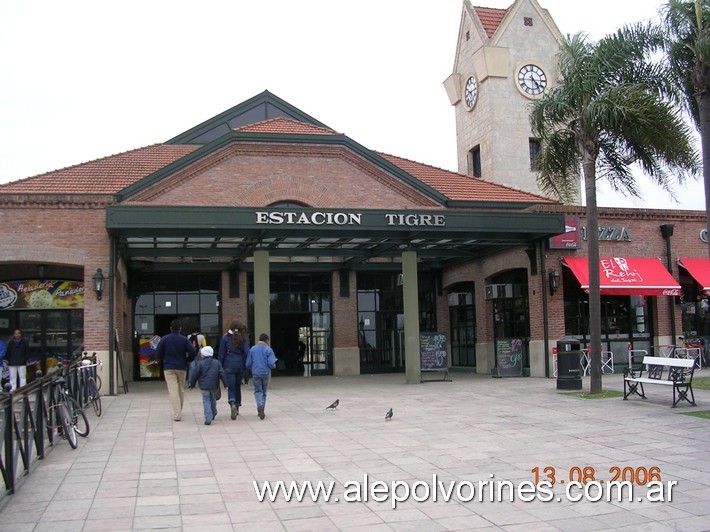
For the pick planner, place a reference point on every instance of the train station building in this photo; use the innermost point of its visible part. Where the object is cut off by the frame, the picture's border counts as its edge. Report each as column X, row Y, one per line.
column 265, row 214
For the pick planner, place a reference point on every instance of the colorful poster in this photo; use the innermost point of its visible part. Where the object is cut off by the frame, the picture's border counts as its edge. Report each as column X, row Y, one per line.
column 148, row 363
column 38, row 294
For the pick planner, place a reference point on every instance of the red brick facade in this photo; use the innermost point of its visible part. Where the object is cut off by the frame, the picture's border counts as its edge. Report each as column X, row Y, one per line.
column 69, row 231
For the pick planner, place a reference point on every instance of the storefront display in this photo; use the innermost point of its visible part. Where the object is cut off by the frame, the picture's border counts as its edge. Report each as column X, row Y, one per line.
column 50, row 315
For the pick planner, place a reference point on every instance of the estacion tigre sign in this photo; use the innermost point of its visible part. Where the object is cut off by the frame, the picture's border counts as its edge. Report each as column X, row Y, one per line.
column 346, row 218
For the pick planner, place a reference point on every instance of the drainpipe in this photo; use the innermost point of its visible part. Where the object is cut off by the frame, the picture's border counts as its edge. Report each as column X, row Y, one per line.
column 667, row 233
column 111, row 281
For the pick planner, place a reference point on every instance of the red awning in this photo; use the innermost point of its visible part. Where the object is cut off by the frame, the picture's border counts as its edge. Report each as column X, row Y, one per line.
column 620, row 276
column 699, row 269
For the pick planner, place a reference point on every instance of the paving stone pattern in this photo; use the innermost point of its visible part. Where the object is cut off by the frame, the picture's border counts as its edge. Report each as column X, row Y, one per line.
column 139, row 470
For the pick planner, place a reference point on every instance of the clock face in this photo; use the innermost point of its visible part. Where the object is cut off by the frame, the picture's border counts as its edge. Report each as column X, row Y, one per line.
column 532, row 80
column 471, row 92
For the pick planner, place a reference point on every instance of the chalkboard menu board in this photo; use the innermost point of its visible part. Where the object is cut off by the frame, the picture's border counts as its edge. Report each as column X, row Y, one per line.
column 432, row 351
column 509, row 357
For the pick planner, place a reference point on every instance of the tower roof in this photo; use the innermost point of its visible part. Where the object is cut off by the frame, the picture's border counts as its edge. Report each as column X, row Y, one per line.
column 490, row 18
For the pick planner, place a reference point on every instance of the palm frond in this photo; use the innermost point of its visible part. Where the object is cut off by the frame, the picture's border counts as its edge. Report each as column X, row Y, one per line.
column 687, row 28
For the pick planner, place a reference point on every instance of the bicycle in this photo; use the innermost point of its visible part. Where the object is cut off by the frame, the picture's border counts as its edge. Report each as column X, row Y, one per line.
column 70, row 415
column 91, row 382
column 692, row 348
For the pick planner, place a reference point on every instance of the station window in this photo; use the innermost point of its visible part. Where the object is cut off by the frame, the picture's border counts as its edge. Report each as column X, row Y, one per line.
column 462, row 322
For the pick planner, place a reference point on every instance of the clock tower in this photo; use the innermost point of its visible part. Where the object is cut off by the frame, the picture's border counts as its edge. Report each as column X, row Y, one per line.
column 505, row 60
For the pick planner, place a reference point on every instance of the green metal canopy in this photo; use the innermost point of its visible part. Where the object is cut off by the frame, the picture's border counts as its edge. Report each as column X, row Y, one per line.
column 166, row 237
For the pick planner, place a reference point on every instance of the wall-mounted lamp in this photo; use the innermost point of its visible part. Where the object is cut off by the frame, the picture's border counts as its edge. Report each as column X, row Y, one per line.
column 554, row 277
column 41, row 271
column 99, row 279
column 666, row 230
column 400, row 279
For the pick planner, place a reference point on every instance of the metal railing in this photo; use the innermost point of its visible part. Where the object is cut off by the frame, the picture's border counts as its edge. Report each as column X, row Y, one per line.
column 28, row 427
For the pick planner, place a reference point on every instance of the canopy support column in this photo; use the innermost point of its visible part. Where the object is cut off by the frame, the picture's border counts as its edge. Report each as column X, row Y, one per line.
column 262, row 308
column 411, row 317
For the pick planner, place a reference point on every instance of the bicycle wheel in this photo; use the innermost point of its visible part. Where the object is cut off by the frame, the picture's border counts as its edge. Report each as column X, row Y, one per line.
column 66, row 425
column 78, row 417
column 94, row 396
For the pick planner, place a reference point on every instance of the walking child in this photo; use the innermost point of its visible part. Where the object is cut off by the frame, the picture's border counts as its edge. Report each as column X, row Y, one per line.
column 261, row 360
column 208, row 372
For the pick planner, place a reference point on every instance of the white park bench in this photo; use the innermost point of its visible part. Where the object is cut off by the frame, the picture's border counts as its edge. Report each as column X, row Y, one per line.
column 674, row 372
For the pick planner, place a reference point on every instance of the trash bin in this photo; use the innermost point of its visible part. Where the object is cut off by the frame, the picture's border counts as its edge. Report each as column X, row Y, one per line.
column 569, row 370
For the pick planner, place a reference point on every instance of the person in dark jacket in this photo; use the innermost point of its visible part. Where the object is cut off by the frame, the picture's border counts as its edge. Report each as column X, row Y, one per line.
column 198, row 341
column 208, row 372
column 16, row 354
column 176, row 352
column 232, row 354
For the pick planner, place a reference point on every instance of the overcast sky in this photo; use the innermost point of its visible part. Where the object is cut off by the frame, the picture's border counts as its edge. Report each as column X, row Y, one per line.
column 80, row 80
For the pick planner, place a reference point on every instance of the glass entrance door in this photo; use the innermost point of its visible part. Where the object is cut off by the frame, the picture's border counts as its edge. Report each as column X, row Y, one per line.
column 301, row 334
column 380, row 322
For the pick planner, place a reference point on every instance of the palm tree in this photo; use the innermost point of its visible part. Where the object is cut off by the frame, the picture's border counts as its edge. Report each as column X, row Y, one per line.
column 688, row 47
column 613, row 108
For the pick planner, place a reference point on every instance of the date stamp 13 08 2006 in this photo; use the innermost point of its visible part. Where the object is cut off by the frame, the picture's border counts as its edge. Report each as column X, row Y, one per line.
column 594, row 484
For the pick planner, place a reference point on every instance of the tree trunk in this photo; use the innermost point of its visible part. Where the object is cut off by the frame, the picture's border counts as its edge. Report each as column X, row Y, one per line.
column 595, row 325
column 703, row 100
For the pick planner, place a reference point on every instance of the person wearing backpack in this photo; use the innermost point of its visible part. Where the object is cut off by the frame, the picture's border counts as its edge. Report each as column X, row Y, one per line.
column 198, row 341
column 232, row 354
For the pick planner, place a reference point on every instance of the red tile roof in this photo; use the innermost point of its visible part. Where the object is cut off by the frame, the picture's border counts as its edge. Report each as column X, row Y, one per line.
column 110, row 175
column 459, row 187
column 286, row 125
column 490, row 18
column 107, row 175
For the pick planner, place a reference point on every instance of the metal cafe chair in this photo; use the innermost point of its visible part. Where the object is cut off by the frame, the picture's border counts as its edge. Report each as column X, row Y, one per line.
column 691, row 353
column 607, row 361
column 636, row 355
column 665, row 350
column 586, row 361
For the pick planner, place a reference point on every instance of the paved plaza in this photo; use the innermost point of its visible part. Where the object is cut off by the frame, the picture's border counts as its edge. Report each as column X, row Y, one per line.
column 139, row 470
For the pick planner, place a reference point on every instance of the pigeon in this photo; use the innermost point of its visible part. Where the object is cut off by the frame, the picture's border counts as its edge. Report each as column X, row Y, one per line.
column 389, row 415
column 333, row 405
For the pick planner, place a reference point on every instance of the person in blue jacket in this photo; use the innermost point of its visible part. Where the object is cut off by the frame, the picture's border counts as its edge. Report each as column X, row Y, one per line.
column 208, row 372
column 176, row 352
column 232, row 353
column 261, row 360
column 3, row 366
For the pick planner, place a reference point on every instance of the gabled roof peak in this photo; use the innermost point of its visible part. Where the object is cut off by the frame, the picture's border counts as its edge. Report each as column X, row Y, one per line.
column 490, row 18
column 260, row 108
column 283, row 125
